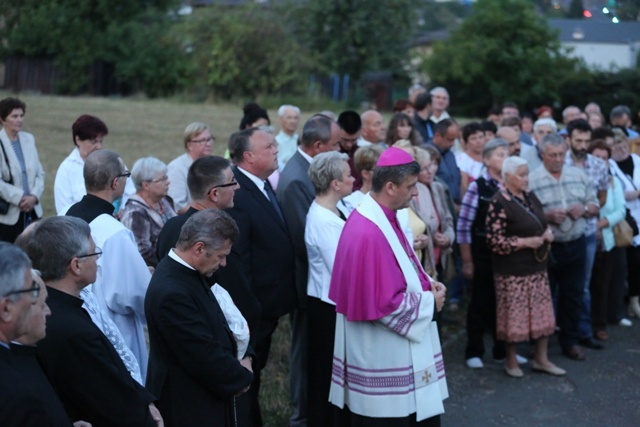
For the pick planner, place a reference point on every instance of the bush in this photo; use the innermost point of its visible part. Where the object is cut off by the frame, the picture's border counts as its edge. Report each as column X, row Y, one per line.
column 607, row 88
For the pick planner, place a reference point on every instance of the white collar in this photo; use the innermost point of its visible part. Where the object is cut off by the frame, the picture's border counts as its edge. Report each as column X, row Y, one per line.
column 257, row 181
column 307, row 157
column 174, row 256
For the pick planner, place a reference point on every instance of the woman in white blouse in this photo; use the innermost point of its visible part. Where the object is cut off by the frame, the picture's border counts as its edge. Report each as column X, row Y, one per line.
column 88, row 133
column 332, row 180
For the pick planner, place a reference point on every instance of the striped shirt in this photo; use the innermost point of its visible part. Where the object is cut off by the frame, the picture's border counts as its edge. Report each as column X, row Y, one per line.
column 573, row 188
column 598, row 174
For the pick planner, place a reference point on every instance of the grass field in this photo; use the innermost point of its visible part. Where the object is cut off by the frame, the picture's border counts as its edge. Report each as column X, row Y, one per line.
column 139, row 128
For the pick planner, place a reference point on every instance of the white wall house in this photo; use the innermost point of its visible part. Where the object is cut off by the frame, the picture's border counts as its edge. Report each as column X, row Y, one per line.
column 601, row 44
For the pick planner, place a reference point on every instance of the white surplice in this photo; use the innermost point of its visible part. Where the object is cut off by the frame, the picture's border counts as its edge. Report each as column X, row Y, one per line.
column 121, row 283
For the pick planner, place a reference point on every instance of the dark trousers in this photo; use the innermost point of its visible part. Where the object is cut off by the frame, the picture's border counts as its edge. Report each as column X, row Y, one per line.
column 633, row 272
column 298, row 367
column 481, row 313
column 9, row 233
column 618, row 287
column 600, row 284
column 262, row 346
column 346, row 418
column 566, row 275
column 322, row 327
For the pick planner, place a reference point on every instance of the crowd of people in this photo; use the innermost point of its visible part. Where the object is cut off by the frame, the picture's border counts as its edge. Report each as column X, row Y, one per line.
column 153, row 295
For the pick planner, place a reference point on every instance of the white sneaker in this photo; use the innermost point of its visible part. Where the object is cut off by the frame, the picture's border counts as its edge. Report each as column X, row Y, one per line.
column 475, row 363
column 521, row 360
column 625, row 322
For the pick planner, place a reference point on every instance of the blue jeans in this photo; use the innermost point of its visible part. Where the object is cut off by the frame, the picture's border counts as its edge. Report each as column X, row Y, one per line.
column 584, row 325
column 567, row 277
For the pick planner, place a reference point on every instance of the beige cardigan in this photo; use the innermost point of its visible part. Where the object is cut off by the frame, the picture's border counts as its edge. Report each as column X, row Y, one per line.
column 35, row 173
column 424, row 208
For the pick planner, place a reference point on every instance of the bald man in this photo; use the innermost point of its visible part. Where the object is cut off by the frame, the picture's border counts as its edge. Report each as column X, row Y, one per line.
column 373, row 129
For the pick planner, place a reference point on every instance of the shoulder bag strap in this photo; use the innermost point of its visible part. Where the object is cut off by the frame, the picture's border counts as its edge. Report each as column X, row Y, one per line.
column 4, row 155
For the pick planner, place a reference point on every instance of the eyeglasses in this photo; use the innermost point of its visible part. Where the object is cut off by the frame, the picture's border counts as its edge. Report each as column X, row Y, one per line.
column 97, row 254
column 229, row 184
column 209, row 140
column 125, row 174
column 33, row 291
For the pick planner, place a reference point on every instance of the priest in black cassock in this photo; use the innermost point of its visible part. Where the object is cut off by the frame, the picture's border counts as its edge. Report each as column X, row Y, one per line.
column 20, row 405
column 200, row 356
column 23, row 359
column 77, row 358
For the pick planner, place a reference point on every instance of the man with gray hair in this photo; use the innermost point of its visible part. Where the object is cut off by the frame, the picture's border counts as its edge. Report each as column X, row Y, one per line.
column 295, row 194
column 439, row 105
column 541, row 128
column 287, row 138
column 568, row 200
column 20, row 404
column 620, row 115
column 200, row 355
column 79, row 360
column 569, row 114
column 97, row 314
column 123, row 276
column 262, row 259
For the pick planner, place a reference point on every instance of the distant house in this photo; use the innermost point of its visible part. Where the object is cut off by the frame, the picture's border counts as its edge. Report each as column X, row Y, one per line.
column 601, row 44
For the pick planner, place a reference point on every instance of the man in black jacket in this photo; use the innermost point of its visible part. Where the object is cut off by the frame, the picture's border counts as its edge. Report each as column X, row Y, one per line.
column 20, row 405
column 262, row 257
column 78, row 359
column 198, row 364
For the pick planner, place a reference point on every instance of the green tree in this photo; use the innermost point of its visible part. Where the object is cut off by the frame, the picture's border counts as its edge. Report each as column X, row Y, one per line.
column 245, row 51
column 502, row 51
column 356, row 36
column 128, row 35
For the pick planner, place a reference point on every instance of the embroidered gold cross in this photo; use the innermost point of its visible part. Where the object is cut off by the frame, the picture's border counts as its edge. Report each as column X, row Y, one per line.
column 426, row 377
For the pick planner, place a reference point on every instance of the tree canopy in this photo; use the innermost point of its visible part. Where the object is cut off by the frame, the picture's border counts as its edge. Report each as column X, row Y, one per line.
column 128, row 35
column 356, row 36
column 502, row 51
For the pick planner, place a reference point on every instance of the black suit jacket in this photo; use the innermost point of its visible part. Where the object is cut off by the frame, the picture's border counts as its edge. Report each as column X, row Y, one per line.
column 295, row 194
column 262, row 257
column 20, row 405
column 193, row 365
column 171, row 232
column 86, row 371
column 23, row 359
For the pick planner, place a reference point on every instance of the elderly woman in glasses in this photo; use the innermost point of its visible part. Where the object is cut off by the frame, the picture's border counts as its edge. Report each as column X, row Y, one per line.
column 198, row 142
column 146, row 211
